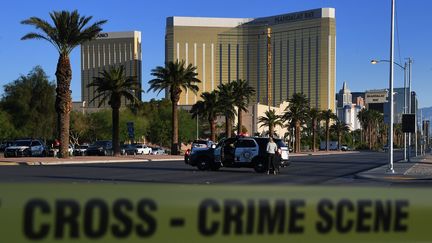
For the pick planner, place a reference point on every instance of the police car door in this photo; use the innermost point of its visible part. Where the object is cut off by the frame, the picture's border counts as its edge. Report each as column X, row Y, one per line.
column 246, row 149
column 36, row 148
column 218, row 152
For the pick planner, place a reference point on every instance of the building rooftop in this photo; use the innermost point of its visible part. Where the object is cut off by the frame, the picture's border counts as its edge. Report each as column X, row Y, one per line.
column 234, row 22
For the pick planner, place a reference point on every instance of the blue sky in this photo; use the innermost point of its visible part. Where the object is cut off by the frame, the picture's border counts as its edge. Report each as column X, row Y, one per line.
column 363, row 33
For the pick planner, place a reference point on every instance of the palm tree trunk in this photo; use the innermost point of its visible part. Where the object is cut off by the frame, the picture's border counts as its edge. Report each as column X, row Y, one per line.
column 314, row 135
column 327, row 135
column 212, row 130
column 115, row 131
column 240, row 121
column 228, row 127
column 174, row 122
column 339, row 141
column 271, row 131
column 297, row 137
column 63, row 103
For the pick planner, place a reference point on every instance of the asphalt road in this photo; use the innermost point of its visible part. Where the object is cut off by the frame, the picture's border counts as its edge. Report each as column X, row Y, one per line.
column 339, row 169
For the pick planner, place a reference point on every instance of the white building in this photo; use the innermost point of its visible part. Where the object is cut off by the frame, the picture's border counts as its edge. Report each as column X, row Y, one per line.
column 347, row 110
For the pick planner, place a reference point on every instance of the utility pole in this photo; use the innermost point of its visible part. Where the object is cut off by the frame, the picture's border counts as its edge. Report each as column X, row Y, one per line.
column 269, row 68
column 409, row 106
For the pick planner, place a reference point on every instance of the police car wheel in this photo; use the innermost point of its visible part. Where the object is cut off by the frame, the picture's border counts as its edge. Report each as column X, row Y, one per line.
column 27, row 153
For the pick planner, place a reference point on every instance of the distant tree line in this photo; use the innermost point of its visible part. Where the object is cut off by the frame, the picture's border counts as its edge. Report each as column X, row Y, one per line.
column 27, row 110
column 27, row 107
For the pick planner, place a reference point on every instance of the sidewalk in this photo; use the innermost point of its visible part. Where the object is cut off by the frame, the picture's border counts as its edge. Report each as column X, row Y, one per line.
column 87, row 159
column 420, row 168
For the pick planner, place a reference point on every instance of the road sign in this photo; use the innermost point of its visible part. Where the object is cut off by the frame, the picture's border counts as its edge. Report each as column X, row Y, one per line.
column 131, row 130
column 408, row 123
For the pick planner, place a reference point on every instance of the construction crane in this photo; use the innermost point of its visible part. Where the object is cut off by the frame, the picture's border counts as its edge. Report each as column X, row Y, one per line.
column 269, row 68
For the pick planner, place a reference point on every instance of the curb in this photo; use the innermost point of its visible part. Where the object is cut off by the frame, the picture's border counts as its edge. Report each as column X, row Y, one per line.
column 321, row 154
column 74, row 162
column 2, row 163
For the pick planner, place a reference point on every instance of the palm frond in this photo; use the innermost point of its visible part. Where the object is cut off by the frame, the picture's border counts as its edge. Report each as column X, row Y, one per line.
column 67, row 32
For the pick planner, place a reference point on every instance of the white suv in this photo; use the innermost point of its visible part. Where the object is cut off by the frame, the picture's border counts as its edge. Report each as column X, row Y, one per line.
column 143, row 149
column 26, row 147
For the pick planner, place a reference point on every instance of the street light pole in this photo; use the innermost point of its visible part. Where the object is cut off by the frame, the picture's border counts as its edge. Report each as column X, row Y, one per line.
column 409, row 106
column 390, row 169
column 405, row 109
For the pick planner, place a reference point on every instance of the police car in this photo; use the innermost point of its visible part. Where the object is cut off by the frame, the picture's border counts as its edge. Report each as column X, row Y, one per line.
column 197, row 145
column 239, row 152
column 25, row 148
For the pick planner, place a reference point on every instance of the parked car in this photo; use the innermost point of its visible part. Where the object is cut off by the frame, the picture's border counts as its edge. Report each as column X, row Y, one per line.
column 101, row 147
column 345, row 148
column 239, row 152
column 128, row 149
column 53, row 152
column 26, row 147
column 80, row 150
column 197, row 145
column 143, row 149
column 158, row 150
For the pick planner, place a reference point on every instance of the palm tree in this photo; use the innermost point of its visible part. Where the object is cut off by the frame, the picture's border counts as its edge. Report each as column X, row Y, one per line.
column 244, row 93
column 174, row 77
column 340, row 128
column 69, row 31
column 227, row 99
column 370, row 120
column 315, row 116
column 208, row 107
column 362, row 116
column 296, row 114
column 328, row 115
column 270, row 120
column 376, row 124
column 113, row 85
column 398, row 134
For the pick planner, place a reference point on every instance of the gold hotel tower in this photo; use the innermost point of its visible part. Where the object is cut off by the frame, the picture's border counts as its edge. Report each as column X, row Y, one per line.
column 302, row 52
column 109, row 49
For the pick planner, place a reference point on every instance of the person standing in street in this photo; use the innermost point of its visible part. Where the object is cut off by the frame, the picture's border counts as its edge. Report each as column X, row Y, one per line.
column 271, row 151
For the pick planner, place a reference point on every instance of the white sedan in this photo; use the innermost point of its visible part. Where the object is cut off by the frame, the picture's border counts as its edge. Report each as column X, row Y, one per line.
column 143, row 149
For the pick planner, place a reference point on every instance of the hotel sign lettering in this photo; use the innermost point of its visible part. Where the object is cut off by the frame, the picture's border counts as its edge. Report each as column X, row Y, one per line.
column 295, row 17
column 102, row 35
column 376, row 98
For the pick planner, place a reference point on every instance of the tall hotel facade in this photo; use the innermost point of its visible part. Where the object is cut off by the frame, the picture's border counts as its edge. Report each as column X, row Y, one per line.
column 298, row 56
column 109, row 49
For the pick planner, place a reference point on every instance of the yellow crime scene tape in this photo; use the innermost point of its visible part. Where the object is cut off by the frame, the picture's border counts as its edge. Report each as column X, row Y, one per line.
column 208, row 213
